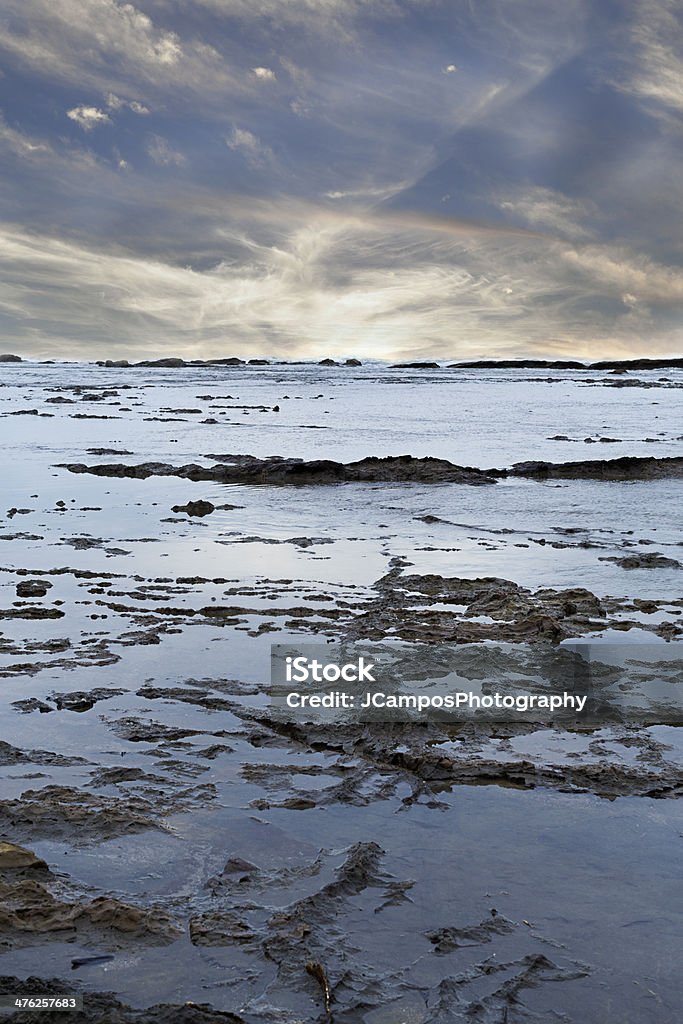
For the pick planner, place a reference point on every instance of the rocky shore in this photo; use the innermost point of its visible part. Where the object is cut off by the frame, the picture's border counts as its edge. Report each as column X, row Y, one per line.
column 173, row 850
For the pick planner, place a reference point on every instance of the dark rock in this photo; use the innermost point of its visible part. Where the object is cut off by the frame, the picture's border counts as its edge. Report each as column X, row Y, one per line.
column 170, row 362
column 519, row 364
column 33, row 588
column 649, row 560
column 31, row 612
column 628, row 467
column 9, row 358
column 638, row 364
column 105, row 451
column 569, row 364
column 328, row 362
column 196, row 508
column 247, row 469
column 415, row 366
column 352, row 362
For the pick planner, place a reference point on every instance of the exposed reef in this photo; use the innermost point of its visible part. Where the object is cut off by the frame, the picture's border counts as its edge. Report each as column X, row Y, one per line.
column 570, row 364
column 628, row 467
column 248, row 469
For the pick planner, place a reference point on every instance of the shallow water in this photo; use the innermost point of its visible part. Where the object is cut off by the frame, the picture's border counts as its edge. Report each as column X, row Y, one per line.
column 586, row 882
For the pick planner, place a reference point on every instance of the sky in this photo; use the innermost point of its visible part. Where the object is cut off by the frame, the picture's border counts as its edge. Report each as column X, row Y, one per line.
column 385, row 179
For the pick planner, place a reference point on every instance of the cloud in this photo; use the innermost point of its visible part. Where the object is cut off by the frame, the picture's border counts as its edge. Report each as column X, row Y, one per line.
column 344, row 243
column 375, row 193
column 162, row 153
column 66, row 162
column 327, row 283
column 115, row 102
column 19, row 143
column 615, row 271
column 298, row 74
column 255, row 152
column 108, row 45
column 88, row 117
column 657, row 37
column 548, row 209
column 314, row 17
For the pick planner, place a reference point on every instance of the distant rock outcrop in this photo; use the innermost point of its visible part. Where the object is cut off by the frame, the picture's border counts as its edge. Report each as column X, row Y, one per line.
column 415, row 366
column 519, row 364
column 613, row 365
column 172, row 362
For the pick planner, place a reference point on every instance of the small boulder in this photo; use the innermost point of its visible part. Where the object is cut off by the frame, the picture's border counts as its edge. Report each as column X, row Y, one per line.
column 12, row 856
column 646, row 560
column 196, row 508
column 33, row 588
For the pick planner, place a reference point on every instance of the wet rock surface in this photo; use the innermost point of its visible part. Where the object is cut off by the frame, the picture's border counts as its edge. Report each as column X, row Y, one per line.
column 626, row 468
column 196, row 508
column 246, row 469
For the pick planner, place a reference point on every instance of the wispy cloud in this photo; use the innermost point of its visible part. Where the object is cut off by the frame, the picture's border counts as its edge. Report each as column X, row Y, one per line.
column 162, row 153
column 336, row 285
column 548, row 209
column 657, row 35
column 387, row 177
column 108, row 45
column 115, row 102
column 19, row 143
column 254, row 151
